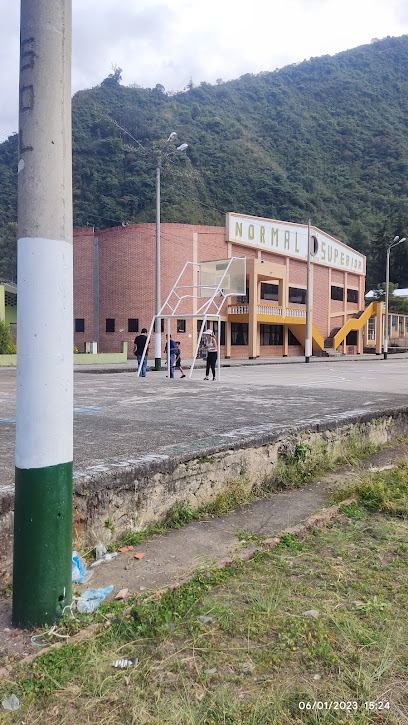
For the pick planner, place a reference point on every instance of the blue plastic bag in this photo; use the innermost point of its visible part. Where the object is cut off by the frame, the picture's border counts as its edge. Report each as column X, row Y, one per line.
column 79, row 570
column 91, row 599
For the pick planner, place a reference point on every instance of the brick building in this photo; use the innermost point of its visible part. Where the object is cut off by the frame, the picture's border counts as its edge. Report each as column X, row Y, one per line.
column 114, row 285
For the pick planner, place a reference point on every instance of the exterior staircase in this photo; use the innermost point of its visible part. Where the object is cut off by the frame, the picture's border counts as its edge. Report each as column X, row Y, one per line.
column 329, row 350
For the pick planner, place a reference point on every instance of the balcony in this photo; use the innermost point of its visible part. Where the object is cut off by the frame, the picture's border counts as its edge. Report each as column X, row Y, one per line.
column 269, row 313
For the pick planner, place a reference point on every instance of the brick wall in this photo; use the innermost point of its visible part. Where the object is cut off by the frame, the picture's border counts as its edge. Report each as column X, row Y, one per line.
column 83, row 284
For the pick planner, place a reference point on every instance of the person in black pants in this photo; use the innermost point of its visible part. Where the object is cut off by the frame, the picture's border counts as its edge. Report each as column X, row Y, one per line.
column 211, row 344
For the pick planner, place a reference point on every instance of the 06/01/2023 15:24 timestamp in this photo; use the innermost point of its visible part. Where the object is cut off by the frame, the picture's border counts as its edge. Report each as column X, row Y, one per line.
column 372, row 706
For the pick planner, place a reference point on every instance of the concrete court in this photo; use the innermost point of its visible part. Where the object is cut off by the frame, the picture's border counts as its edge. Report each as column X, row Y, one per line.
column 121, row 419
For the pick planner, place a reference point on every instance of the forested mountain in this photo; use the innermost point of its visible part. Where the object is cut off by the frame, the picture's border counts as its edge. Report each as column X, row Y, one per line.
column 325, row 139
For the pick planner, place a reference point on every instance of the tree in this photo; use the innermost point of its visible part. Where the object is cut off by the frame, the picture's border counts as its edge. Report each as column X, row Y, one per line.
column 8, row 252
column 113, row 78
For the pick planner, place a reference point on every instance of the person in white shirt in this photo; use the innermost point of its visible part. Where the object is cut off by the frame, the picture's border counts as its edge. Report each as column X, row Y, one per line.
column 211, row 345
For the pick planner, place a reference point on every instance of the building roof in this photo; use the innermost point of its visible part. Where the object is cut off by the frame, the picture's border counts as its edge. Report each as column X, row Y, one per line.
column 403, row 292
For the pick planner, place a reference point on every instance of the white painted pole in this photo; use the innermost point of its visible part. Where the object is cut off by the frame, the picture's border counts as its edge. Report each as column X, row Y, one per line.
column 44, row 440
column 308, row 336
column 219, row 349
column 387, row 294
column 157, row 334
column 168, row 347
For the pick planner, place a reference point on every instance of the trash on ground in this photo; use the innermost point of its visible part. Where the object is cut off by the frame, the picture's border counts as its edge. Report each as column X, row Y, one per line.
column 91, row 599
column 104, row 558
column 125, row 663
column 122, row 594
column 205, row 620
column 11, row 703
column 139, row 555
column 80, row 573
column 100, row 551
column 122, row 549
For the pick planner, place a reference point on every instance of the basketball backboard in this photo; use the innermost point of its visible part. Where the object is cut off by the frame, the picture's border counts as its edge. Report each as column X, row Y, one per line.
column 225, row 275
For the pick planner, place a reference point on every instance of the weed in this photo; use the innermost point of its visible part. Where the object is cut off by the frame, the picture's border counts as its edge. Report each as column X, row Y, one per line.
column 289, row 541
column 385, row 491
column 205, row 459
column 181, row 513
column 109, row 524
column 246, row 538
column 236, row 494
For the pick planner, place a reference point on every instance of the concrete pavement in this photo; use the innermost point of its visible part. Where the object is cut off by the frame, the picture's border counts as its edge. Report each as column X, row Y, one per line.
column 121, row 419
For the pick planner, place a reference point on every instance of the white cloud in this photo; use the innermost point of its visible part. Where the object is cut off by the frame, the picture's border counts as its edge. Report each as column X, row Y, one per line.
column 157, row 42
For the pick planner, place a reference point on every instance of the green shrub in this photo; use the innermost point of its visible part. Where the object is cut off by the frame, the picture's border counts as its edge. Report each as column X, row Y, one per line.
column 7, row 346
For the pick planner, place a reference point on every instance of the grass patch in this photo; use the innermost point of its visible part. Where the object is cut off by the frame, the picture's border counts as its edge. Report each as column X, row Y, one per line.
column 322, row 620
column 385, row 491
column 300, row 462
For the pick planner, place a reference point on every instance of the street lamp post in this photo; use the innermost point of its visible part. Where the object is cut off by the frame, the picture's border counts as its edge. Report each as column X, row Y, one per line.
column 157, row 326
column 395, row 242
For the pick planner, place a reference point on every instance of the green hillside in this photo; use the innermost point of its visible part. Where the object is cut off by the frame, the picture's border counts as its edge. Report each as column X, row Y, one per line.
column 325, row 139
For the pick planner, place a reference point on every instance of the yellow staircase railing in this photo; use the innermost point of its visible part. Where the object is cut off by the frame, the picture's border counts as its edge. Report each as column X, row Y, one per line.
column 299, row 331
column 355, row 323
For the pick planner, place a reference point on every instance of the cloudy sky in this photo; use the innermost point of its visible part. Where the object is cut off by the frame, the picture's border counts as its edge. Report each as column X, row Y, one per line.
column 171, row 41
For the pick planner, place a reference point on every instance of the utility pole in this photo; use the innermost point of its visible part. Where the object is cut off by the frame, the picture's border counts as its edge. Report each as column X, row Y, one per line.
column 44, row 449
column 308, row 336
column 157, row 322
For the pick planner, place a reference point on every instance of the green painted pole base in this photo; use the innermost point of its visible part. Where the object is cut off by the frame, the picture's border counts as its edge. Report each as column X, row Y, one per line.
column 157, row 363
column 42, row 567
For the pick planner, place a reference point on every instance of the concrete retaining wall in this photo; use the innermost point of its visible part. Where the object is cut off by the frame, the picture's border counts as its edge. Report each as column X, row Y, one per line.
column 129, row 497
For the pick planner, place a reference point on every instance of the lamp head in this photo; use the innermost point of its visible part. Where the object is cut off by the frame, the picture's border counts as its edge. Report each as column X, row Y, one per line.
column 172, row 136
column 182, row 147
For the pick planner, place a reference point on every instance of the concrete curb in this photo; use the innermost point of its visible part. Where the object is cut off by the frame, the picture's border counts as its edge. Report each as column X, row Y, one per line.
column 317, row 520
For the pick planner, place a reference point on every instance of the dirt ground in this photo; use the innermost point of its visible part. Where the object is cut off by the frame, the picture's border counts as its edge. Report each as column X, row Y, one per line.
column 171, row 557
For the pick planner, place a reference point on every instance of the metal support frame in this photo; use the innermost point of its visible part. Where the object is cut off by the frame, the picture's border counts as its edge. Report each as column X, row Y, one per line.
column 209, row 309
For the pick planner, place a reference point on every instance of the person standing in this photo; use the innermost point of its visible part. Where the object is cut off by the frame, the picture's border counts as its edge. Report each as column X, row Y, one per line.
column 139, row 346
column 173, row 347
column 178, row 359
column 211, row 344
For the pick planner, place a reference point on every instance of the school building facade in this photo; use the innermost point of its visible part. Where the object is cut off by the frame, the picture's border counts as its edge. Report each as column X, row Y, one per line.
column 114, row 286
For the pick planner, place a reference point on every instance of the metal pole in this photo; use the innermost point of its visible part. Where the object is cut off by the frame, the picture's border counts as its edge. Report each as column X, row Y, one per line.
column 387, row 286
column 219, row 349
column 157, row 327
column 308, row 316
column 44, row 448
column 168, row 348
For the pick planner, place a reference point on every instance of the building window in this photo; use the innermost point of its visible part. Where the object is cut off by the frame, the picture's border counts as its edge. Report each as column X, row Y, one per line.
column 181, row 325
column 394, row 324
column 110, row 324
column 79, row 324
column 222, row 335
column 297, row 296
column 239, row 333
column 271, row 334
column 292, row 340
column 352, row 295
column 371, row 328
column 337, row 293
column 133, row 324
column 406, row 324
column 269, row 291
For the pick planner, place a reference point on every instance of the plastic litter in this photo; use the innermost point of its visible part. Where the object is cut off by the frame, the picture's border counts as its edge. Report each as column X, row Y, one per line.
column 91, row 599
column 80, row 573
column 124, row 664
column 100, row 551
column 104, row 558
column 11, row 703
